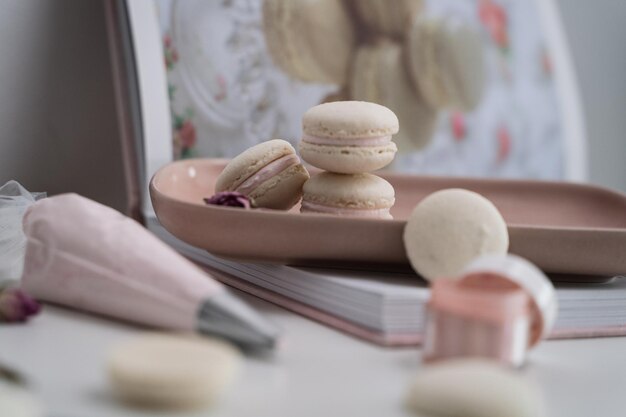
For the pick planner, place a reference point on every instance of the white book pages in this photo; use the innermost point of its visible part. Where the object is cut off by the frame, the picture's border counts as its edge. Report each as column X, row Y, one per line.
column 390, row 302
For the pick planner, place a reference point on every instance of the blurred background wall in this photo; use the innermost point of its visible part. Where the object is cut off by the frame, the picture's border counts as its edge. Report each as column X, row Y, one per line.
column 596, row 34
column 58, row 127
column 57, row 120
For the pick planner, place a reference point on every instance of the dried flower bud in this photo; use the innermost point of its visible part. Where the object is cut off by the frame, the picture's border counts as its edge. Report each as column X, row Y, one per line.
column 229, row 199
column 17, row 306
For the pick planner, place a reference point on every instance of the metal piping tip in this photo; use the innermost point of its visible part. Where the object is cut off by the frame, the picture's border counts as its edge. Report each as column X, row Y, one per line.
column 224, row 315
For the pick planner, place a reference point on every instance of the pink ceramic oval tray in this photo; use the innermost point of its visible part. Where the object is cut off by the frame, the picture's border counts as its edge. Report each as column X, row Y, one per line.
column 563, row 228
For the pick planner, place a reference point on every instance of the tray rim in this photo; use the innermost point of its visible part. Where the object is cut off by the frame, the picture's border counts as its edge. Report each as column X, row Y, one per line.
column 269, row 213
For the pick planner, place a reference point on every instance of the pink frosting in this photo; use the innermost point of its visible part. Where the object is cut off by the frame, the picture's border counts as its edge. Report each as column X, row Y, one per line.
column 373, row 141
column 267, row 172
column 308, row 207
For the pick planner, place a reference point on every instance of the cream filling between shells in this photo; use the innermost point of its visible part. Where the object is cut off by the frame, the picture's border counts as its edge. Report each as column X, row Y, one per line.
column 359, row 141
column 268, row 171
column 382, row 213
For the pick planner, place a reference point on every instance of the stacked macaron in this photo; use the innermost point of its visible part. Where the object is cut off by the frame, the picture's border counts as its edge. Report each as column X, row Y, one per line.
column 380, row 51
column 348, row 139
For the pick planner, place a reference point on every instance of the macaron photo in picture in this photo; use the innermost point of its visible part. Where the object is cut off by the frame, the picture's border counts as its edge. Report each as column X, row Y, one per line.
column 348, row 137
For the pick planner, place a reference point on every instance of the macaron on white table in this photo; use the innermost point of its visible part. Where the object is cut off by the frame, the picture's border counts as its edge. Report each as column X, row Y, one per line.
column 161, row 370
column 473, row 388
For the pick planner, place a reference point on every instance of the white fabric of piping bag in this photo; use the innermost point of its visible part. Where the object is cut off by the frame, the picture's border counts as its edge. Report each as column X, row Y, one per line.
column 14, row 201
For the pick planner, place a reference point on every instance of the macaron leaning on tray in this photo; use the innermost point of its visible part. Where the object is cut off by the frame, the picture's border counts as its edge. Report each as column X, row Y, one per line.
column 473, row 388
column 379, row 75
column 310, row 40
column 445, row 58
column 450, row 228
column 348, row 137
column 269, row 173
column 358, row 195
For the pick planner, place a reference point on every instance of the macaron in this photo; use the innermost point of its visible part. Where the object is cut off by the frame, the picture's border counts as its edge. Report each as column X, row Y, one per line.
column 450, row 228
column 359, row 195
column 348, row 137
column 269, row 173
column 19, row 401
column 311, row 41
column 379, row 75
column 172, row 371
column 385, row 17
column 473, row 388
column 446, row 62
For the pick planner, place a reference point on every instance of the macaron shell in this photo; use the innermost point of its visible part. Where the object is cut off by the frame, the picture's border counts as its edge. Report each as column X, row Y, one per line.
column 19, row 401
column 250, row 161
column 361, row 191
column 310, row 40
column 473, row 388
column 168, row 370
column 283, row 191
column 348, row 159
column 379, row 75
column 449, row 229
column 349, row 119
column 379, row 17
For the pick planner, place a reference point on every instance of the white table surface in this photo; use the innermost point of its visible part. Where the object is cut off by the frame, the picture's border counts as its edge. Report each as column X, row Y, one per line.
column 318, row 372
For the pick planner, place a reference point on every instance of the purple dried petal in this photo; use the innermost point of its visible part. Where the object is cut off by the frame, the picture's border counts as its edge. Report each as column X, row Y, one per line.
column 229, row 199
column 29, row 304
column 17, row 306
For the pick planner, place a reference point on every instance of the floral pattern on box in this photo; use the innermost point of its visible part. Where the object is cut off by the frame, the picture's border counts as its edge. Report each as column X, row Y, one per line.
column 226, row 94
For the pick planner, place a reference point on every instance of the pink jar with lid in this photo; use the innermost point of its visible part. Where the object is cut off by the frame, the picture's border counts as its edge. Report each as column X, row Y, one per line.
column 498, row 308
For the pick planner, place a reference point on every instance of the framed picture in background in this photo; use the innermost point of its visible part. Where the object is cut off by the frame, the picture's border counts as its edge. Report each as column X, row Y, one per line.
column 197, row 79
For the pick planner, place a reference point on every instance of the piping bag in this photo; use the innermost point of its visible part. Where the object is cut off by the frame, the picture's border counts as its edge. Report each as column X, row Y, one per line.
column 87, row 256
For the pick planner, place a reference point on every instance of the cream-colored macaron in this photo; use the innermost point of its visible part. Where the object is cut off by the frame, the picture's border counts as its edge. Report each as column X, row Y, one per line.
column 390, row 18
column 348, row 137
column 310, row 40
column 473, row 388
column 450, row 228
column 446, row 62
column 358, row 195
column 17, row 401
column 172, row 371
column 270, row 173
column 379, row 75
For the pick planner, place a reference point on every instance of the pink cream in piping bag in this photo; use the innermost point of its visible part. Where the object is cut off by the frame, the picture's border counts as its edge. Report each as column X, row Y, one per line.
column 90, row 257
column 499, row 308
